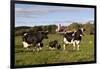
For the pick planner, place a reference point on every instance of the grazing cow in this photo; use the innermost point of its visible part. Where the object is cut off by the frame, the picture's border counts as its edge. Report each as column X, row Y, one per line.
column 73, row 38
column 54, row 44
column 34, row 39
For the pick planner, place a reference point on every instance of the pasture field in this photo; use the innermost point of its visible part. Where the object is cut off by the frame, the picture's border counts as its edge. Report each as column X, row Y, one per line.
column 45, row 56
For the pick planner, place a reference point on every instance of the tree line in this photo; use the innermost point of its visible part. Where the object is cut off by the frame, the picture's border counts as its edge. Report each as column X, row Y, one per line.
column 89, row 28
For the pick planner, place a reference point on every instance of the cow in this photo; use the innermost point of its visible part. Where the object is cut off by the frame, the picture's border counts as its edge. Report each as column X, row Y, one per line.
column 54, row 44
column 34, row 39
column 73, row 38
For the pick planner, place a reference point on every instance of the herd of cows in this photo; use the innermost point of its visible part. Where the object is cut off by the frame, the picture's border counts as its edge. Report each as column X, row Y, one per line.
column 35, row 39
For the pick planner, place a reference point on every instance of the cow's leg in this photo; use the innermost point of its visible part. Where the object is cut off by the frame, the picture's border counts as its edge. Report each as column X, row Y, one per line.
column 78, row 42
column 34, row 46
column 41, row 45
column 64, row 46
column 78, row 47
column 38, row 46
column 65, row 43
column 73, row 45
column 38, row 49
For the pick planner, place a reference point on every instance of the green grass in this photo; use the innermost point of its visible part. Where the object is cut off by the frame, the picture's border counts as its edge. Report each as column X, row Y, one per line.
column 28, row 57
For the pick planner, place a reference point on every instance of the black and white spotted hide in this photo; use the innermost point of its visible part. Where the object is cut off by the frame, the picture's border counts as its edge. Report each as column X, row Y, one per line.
column 73, row 38
column 54, row 45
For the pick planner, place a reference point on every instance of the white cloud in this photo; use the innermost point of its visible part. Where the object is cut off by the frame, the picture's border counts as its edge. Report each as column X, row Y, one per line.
column 43, row 9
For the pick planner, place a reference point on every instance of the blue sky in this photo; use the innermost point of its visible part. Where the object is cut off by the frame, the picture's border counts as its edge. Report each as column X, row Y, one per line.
column 31, row 15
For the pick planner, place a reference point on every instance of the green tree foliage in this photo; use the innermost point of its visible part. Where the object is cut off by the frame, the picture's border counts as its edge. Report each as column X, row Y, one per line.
column 89, row 28
column 74, row 26
column 52, row 28
column 37, row 28
column 23, row 29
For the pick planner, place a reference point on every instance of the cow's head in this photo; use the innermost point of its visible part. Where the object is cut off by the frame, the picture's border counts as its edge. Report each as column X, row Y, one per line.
column 80, row 31
column 45, row 34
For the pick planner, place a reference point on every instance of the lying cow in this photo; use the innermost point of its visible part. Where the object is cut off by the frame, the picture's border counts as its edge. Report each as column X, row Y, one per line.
column 34, row 39
column 73, row 38
column 54, row 44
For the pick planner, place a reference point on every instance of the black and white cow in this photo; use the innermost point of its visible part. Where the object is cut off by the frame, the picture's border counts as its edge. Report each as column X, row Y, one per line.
column 54, row 44
column 73, row 38
column 34, row 39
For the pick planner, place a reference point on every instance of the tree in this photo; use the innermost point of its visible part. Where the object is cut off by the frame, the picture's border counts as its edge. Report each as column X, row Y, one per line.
column 89, row 28
column 74, row 26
